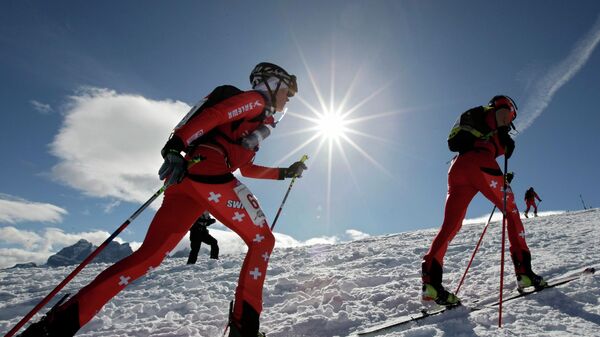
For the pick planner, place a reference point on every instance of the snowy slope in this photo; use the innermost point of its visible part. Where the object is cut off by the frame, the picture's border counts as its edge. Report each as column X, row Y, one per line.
column 335, row 290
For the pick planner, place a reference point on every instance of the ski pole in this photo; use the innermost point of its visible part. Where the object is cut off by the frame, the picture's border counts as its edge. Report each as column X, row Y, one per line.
column 303, row 159
column 503, row 246
column 475, row 251
column 83, row 264
column 90, row 257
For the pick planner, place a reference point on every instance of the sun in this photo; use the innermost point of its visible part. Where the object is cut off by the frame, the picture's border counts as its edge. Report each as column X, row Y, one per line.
column 336, row 128
column 331, row 125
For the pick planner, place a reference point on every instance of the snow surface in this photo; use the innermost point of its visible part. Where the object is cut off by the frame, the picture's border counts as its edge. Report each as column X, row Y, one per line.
column 336, row 290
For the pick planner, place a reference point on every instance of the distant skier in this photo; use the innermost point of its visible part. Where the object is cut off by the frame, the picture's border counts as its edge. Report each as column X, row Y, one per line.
column 223, row 131
column 530, row 196
column 480, row 135
column 198, row 234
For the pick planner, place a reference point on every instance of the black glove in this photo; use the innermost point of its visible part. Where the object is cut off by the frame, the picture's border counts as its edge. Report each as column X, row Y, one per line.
column 295, row 170
column 174, row 167
column 509, row 143
column 509, row 177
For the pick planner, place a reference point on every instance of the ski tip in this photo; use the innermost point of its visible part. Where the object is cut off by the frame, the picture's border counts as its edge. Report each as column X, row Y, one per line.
column 589, row 270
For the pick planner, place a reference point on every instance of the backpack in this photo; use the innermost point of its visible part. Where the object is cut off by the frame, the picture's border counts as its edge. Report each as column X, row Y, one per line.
column 219, row 94
column 529, row 194
column 469, row 127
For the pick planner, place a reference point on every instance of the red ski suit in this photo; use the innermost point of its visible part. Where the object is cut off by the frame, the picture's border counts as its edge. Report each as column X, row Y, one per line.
column 472, row 172
column 209, row 186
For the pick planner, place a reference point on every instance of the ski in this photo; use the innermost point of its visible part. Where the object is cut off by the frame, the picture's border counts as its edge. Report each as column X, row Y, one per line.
column 531, row 290
column 405, row 319
column 382, row 327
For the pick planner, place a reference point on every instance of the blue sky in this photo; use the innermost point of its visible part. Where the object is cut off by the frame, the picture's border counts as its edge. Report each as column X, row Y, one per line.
column 90, row 92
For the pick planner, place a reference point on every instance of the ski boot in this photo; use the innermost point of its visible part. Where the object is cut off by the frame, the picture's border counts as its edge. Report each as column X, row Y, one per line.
column 60, row 321
column 234, row 331
column 530, row 280
column 535, row 214
column 526, row 215
column 248, row 326
column 440, row 295
column 432, row 285
column 525, row 276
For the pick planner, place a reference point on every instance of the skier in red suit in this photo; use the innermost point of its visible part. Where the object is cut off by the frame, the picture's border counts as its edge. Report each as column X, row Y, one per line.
column 223, row 131
column 475, row 170
column 530, row 196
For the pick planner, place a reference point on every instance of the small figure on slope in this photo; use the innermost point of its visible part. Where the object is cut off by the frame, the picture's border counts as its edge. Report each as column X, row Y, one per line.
column 530, row 196
column 199, row 234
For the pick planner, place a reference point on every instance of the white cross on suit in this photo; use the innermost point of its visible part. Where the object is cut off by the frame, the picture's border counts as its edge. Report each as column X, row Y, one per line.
column 124, row 280
column 258, row 238
column 265, row 256
column 493, row 184
column 238, row 216
column 255, row 274
column 214, row 197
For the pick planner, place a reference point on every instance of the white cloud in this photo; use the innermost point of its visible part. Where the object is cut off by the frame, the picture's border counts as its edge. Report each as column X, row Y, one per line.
column 14, row 210
column 558, row 76
column 56, row 238
column 231, row 243
column 109, row 143
column 498, row 217
column 285, row 241
column 37, row 246
column 109, row 207
column 322, row 240
column 12, row 235
column 356, row 235
column 12, row 256
column 41, row 107
column 349, row 235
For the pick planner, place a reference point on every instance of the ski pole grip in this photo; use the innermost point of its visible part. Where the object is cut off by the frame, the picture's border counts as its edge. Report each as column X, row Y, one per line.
column 302, row 160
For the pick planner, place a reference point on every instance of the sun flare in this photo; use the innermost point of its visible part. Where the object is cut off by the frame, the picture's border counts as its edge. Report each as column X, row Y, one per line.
column 335, row 127
column 331, row 125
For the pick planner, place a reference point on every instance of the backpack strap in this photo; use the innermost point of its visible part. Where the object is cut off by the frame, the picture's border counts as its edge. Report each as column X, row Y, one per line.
column 473, row 122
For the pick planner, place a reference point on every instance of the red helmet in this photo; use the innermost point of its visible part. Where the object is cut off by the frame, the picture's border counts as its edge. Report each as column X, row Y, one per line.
column 503, row 101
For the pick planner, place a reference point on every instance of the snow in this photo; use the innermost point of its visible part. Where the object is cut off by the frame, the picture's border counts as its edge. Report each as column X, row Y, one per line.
column 336, row 290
